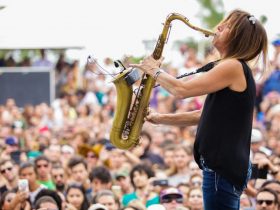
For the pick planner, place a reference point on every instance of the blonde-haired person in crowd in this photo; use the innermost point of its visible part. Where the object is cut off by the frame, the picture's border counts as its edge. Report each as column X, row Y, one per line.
column 222, row 144
column 108, row 199
column 195, row 200
column 182, row 156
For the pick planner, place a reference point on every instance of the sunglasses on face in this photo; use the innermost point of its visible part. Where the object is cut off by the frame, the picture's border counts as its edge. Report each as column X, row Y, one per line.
column 6, row 169
column 170, row 199
column 267, row 202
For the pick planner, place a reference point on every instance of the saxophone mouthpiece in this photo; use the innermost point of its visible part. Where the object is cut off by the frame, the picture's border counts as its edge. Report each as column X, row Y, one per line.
column 116, row 64
column 90, row 59
column 119, row 64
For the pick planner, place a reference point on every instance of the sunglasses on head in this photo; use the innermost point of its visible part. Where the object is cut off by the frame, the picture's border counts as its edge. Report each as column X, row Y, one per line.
column 170, row 199
column 6, row 169
column 268, row 202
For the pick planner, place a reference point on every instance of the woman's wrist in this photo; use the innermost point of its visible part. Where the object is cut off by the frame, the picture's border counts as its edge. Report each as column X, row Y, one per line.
column 157, row 73
column 152, row 71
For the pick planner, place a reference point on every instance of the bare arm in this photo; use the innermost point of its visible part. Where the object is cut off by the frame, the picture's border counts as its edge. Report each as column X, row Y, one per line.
column 228, row 73
column 181, row 119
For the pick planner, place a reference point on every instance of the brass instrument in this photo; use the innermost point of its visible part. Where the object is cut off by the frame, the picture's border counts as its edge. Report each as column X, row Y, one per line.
column 126, row 129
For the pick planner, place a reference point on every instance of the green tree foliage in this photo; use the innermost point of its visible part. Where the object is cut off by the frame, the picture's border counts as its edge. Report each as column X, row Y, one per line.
column 211, row 12
column 263, row 19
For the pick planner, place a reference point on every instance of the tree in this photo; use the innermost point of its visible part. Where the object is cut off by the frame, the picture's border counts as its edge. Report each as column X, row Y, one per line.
column 211, row 13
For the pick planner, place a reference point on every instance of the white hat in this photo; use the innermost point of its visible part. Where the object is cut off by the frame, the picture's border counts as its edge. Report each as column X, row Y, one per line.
column 156, row 207
column 97, row 206
column 67, row 149
column 256, row 136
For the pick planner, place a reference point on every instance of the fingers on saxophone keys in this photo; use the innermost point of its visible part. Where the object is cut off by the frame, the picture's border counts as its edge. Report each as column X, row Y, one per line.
column 148, row 111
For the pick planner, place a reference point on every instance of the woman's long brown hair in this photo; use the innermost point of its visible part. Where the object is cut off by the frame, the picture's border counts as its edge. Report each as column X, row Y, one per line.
column 247, row 40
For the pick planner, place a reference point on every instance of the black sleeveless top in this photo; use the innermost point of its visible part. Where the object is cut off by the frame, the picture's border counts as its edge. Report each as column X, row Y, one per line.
column 224, row 131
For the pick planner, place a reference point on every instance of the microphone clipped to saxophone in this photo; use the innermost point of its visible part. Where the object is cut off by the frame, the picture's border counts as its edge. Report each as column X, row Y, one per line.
column 129, row 118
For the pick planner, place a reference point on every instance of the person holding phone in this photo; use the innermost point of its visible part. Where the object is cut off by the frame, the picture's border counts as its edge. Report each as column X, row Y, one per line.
column 27, row 172
column 15, row 200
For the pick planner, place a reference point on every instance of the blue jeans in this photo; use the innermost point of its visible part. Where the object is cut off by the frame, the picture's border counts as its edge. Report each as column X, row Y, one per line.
column 218, row 193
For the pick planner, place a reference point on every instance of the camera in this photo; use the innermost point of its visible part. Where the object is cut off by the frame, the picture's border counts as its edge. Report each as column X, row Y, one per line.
column 259, row 173
column 160, row 182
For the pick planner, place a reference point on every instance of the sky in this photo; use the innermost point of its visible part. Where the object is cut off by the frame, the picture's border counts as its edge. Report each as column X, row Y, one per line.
column 110, row 28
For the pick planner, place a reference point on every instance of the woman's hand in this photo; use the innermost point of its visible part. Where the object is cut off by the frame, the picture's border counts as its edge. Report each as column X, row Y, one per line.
column 152, row 117
column 148, row 65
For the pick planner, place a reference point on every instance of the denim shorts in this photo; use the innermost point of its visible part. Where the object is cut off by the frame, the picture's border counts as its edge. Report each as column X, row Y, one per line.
column 218, row 193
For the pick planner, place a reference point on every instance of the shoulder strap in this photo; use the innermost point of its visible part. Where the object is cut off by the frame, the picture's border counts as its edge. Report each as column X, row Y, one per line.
column 246, row 68
column 204, row 68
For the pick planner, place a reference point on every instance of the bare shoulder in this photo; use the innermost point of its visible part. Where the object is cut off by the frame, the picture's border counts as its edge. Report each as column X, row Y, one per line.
column 233, row 71
column 230, row 64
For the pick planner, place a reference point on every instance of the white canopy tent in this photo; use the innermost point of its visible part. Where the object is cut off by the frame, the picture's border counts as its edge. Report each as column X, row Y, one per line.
column 30, row 24
column 107, row 28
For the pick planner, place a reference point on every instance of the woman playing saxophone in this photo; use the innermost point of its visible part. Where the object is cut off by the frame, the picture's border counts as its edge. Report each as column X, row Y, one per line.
column 222, row 143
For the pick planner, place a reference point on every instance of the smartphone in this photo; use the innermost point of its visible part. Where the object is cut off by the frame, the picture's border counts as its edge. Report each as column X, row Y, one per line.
column 23, row 185
column 160, row 182
column 263, row 173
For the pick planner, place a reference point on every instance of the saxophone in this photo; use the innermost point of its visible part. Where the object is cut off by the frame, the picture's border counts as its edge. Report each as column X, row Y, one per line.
column 129, row 119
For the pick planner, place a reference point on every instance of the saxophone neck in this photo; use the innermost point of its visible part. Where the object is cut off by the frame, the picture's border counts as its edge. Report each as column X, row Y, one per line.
column 162, row 38
column 174, row 16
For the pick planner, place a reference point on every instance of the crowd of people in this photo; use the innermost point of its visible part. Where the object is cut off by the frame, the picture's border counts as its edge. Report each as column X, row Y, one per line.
column 64, row 150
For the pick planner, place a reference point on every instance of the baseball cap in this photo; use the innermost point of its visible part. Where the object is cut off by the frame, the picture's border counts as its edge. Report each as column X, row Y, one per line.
column 11, row 140
column 122, row 173
column 33, row 154
column 256, row 136
column 67, row 149
column 171, row 192
column 97, row 206
column 276, row 42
